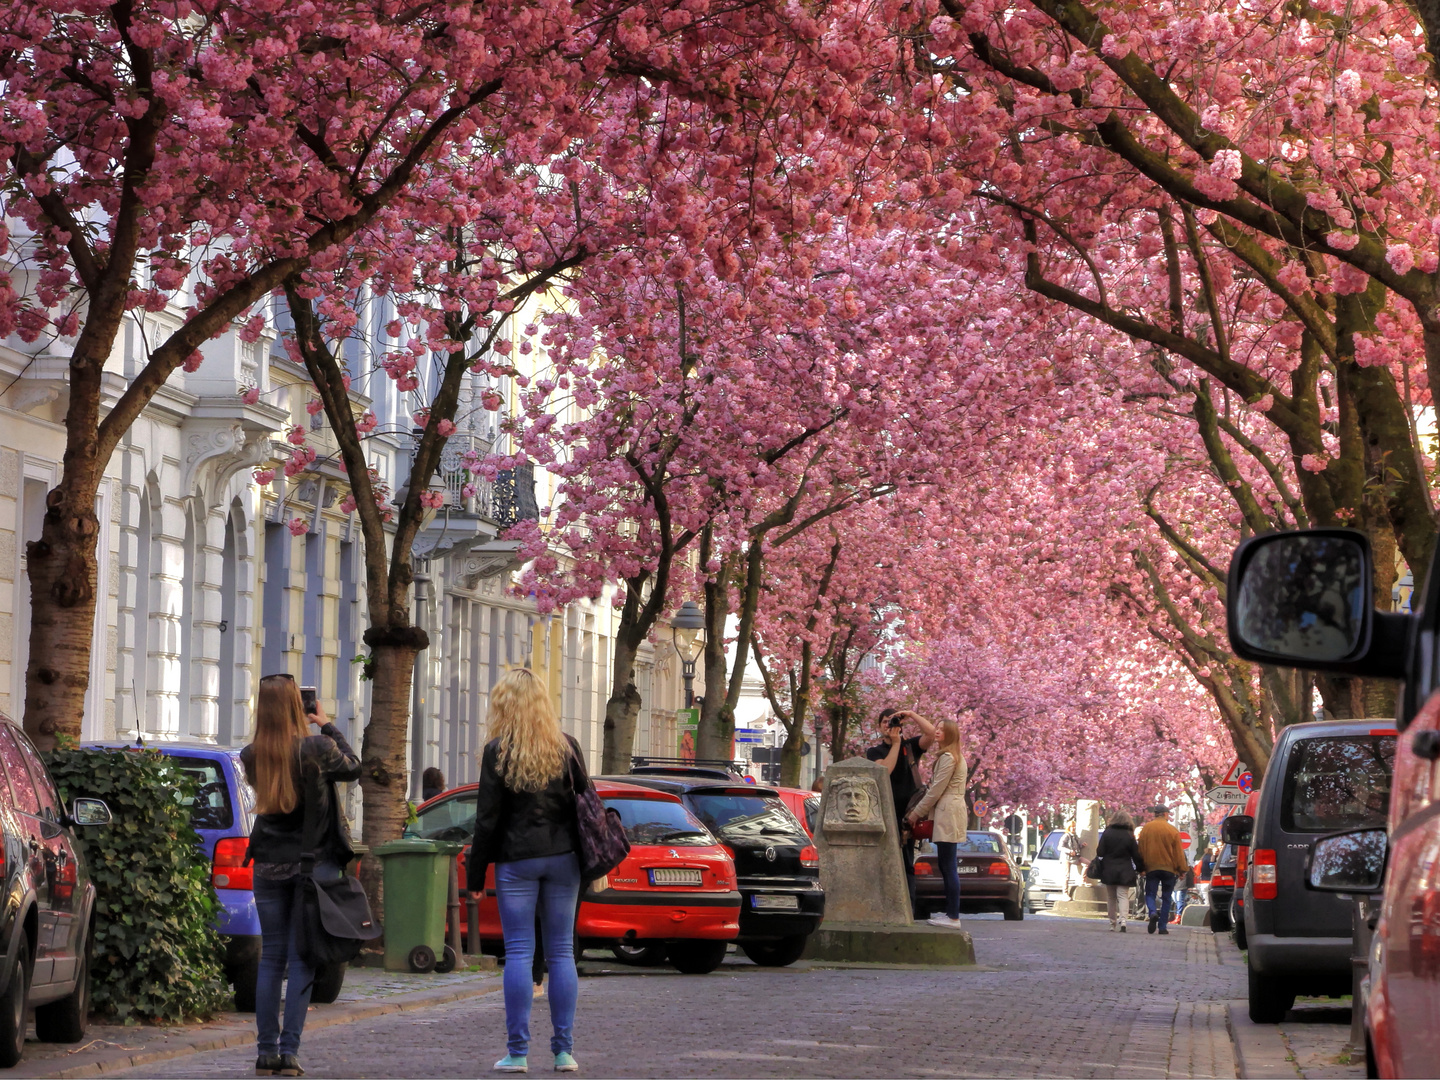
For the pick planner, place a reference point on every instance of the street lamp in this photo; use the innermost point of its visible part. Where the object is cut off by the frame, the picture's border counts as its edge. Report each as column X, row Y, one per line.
column 685, row 627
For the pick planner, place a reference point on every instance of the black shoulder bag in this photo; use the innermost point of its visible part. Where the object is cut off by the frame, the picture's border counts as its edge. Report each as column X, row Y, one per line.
column 603, row 844
column 334, row 916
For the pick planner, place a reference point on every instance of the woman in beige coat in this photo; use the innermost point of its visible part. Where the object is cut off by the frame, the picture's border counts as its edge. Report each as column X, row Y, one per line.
column 944, row 801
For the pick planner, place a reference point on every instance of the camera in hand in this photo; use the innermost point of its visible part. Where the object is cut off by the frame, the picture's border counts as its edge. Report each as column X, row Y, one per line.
column 895, row 724
column 308, row 699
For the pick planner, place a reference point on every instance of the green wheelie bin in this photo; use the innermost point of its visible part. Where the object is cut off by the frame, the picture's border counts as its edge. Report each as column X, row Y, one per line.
column 417, row 883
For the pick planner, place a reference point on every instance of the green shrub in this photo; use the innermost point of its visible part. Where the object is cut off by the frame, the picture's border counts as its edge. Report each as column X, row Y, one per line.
column 157, row 956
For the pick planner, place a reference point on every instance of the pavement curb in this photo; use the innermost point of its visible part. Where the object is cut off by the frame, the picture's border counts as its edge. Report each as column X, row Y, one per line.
column 1260, row 1051
column 117, row 1060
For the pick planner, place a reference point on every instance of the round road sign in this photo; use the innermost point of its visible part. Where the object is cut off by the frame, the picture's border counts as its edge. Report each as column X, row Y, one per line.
column 1186, row 842
column 1245, row 782
column 982, row 809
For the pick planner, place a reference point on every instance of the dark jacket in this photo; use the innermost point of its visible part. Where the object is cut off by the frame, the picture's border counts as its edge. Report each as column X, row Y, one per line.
column 1119, row 855
column 513, row 825
column 281, row 838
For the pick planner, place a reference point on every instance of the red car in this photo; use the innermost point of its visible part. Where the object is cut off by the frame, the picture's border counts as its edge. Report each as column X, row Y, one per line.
column 674, row 897
column 805, row 805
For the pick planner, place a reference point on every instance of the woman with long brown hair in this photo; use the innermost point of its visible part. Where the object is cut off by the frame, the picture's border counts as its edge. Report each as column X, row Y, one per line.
column 944, row 800
column 525, row 825
column 297, row 814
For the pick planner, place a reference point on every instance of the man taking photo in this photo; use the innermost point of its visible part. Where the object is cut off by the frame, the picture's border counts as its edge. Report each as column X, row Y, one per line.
column 901, row 757
column 1164, row 855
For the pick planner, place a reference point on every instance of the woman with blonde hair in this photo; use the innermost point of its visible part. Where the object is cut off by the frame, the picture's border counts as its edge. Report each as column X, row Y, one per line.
column 525, row 824
column 944, row 800
column 1118, row 853
column 293, row 774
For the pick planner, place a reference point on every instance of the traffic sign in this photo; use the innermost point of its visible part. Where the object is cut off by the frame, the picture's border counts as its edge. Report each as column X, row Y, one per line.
column 1186, row 842
column 982, row 809
column 1227, row 796
column 1246, row 782
column 1014, row 823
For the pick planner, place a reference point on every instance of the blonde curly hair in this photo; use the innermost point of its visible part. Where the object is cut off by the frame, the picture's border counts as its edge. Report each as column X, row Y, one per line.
column 533, row 750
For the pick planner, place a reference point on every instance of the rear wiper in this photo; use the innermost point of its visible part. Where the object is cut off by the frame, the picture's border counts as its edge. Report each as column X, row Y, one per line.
column 680, row 833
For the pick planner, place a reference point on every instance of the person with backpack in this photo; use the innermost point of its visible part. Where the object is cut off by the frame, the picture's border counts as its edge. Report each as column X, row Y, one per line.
column 297, row 815
column 526, row 825
column 1120, row 868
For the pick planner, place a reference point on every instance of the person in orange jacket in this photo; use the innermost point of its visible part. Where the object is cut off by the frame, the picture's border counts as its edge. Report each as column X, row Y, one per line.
column 1164, row 857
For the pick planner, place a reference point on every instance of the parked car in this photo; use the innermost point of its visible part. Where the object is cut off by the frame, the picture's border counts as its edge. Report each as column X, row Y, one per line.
column 49, row 902
column 1306, row 599
column 222, row 815
column 775, row 860
column 990, row 880
column 1323, row 776
column 1045, row 884
column 673, row 898
column 1242, row 867
column 805, row 805
column 1222, row 887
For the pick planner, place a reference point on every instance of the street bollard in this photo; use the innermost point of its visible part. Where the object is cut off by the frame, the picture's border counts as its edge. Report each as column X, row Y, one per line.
column 1360, row 936
column 452, row 910
column 472, row 921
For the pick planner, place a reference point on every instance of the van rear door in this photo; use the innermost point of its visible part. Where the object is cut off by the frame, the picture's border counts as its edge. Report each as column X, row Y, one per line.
column 1330, row 782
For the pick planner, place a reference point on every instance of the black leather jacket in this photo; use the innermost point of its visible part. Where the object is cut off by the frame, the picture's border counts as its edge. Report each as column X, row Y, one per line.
column 512, row 825
column 281, row 838
column 1119, row 855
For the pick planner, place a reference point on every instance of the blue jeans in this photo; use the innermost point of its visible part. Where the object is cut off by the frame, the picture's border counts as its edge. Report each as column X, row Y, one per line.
column 550, row 888
column 1162, row 881
column 946, row 855
column 280, row 957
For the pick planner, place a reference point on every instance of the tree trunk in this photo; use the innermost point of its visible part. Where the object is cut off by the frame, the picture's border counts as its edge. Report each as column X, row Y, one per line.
column 62, row 570
column 384, row 750
column 623, row 708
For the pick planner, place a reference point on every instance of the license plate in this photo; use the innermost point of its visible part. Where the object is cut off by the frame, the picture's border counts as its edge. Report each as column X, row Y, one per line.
column 969, row 869
column 674, row 875
column 775, row 903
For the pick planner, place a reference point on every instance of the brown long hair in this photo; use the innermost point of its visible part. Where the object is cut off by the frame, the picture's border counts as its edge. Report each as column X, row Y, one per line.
column 279, row 727
column 950, row 740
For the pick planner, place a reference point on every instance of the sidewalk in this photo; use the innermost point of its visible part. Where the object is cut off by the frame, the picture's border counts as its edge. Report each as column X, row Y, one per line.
column 368, row 993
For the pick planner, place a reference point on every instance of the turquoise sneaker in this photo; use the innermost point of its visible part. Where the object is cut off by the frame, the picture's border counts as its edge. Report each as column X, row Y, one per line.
column 512, row 1063
column 565, row 1062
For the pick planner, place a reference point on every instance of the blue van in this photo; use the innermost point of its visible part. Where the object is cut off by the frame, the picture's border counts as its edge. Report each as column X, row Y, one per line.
column 222, row 814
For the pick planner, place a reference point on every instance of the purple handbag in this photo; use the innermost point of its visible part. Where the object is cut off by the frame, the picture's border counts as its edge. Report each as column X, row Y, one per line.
column 603, row 844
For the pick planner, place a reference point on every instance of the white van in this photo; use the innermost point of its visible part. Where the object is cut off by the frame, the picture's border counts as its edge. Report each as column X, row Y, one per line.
column 1046, row 881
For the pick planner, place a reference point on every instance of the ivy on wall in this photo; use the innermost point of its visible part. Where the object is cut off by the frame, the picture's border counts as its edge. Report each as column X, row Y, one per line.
column 156, row 954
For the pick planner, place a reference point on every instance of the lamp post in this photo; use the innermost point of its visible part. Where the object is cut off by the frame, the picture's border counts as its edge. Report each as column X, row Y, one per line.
column 685, row 627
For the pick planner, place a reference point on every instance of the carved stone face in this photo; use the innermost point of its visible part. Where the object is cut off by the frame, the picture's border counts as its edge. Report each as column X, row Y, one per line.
column 855, row 801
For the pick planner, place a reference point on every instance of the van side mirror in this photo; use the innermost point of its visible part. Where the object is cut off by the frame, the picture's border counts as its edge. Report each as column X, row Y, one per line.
column 1348, row 862
column 1237, row 829
column 89, row 812
column 1304, row 599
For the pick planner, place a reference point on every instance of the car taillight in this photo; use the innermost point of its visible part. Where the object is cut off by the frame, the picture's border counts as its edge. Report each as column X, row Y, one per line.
column 1240, row 875
column 1222, row 881
column 1264, row 884
column 65, row 881
column 809, row 857
column 999, row 869
column 228, row 872
column 923, row 869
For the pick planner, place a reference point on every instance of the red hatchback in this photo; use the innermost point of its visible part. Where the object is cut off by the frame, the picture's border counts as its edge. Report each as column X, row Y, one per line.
column 674, row 896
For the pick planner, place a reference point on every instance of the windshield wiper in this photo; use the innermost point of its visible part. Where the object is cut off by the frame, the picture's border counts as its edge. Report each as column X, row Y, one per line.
column 680, row 833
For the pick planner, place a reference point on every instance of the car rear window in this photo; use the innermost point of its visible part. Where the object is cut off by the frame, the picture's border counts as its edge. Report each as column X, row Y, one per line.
column 211, row 808
column 979, row 843
column 738, row 814
column 657, row 821
column 1337, row 782
column 452, row 819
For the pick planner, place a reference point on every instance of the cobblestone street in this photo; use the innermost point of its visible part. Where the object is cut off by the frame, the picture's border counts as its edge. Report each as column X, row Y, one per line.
column 1052, row 997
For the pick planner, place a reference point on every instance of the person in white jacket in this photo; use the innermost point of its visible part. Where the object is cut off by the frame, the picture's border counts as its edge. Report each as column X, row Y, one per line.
column 944, row 801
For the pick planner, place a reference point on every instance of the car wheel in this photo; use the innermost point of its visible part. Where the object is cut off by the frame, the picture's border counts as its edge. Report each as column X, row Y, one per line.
column 1241, row 941
column 329, row 980
column 696, row 957
column 1219, row 924
column 776, row 953
column 243, row 978
column 1013, row 912
column 65, row 1021
column 13, row 1006
column 1270, row 998
column 639, row 955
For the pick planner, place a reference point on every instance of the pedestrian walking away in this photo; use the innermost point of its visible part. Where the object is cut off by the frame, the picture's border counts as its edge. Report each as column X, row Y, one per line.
column 1164, row 859
column 901, row 758
column 944, row 802
column 292, row 773
column 1120, row 867
column 525, row 825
